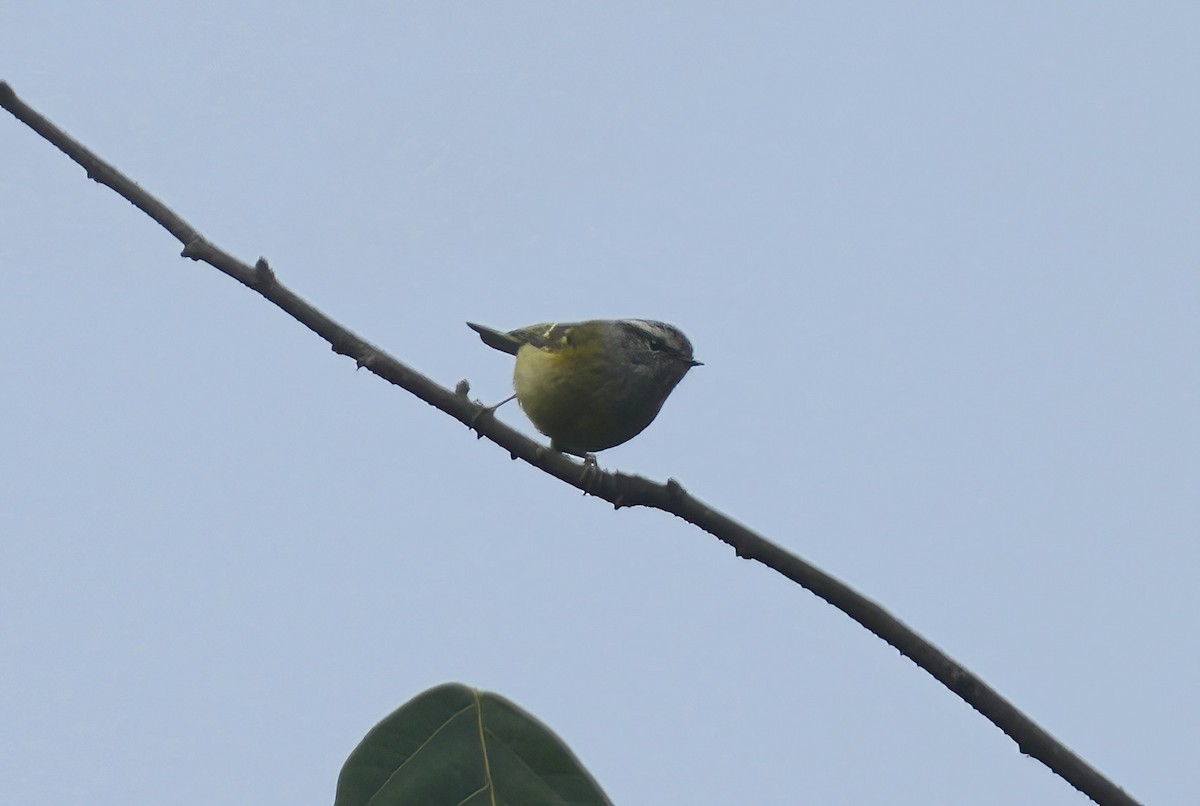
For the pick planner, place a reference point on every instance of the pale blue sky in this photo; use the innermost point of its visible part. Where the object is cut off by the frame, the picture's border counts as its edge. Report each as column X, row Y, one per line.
column 940, row 261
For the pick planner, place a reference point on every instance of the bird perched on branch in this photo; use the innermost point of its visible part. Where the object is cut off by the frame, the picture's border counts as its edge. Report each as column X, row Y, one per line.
column 593, row 385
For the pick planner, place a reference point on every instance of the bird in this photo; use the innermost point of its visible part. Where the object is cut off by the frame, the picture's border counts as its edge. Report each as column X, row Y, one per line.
column 592, row 385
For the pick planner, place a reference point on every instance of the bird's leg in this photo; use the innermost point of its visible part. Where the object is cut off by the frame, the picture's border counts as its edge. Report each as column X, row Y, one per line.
column 488, row 411
column 590, row 475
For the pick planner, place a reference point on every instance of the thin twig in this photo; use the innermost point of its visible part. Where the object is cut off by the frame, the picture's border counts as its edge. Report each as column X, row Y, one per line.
column 619, row 489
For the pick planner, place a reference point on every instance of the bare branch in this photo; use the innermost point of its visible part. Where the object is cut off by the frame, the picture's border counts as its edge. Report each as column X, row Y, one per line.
column 619, row 489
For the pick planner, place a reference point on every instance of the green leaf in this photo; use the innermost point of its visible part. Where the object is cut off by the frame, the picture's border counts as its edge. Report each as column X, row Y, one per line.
column 457, row 746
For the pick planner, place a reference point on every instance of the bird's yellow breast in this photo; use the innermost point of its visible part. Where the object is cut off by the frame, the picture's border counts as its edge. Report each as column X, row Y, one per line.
column 562, row 390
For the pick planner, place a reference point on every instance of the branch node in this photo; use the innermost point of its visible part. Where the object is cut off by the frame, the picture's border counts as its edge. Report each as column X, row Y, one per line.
column 193, row 248
column 263, row 275
column 675, row 490
column 462, row 388
column 364, row 361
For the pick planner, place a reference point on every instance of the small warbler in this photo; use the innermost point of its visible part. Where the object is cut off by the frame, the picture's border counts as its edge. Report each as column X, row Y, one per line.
column 593, row 385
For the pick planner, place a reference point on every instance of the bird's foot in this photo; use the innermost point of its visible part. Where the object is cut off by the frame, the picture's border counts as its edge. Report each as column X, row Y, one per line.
column 485, row 412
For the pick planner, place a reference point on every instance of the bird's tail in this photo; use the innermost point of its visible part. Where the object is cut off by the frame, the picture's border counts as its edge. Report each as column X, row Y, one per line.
column 496, row 339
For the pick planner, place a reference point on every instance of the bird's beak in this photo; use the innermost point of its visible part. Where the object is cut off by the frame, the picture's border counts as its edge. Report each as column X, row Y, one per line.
column 695, row 363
